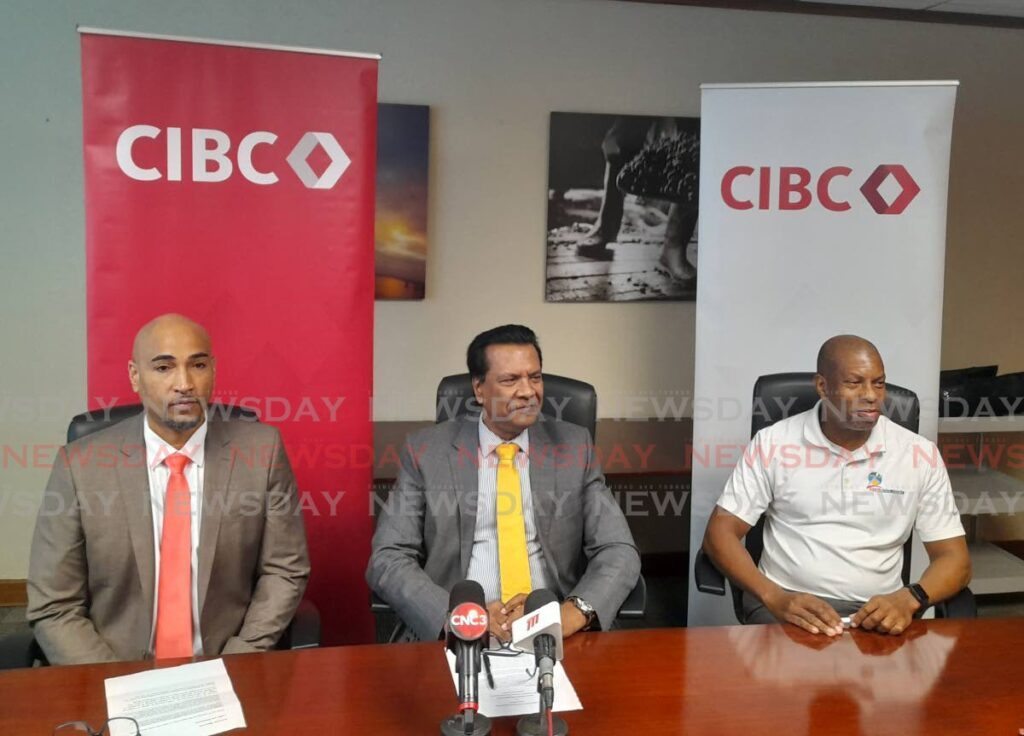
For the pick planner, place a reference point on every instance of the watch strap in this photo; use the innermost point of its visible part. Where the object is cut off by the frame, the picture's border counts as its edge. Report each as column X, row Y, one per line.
column 920, row 596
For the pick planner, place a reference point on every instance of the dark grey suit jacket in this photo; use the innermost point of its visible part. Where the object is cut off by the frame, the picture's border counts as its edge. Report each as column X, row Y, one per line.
column 424, row 535
column 91, row 570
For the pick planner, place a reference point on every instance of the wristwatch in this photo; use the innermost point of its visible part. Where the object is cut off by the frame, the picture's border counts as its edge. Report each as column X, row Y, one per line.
column 920, row 596
column 583, row 607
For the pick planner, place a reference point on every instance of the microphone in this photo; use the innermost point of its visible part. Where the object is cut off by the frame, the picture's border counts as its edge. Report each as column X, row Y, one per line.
column 467, row 629
column 539, row 630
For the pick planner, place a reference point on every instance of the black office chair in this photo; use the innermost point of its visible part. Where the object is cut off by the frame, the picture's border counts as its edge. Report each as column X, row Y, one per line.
column 88, row 422
column 565, row 399
column 22, row 650
column 779, row 396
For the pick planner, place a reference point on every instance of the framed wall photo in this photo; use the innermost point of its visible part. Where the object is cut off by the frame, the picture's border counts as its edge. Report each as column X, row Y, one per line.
column 403, row 157
column 622, row 208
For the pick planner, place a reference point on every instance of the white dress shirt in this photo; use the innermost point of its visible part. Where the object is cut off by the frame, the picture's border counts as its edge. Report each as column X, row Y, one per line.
column 483, row 561
column 159, row 474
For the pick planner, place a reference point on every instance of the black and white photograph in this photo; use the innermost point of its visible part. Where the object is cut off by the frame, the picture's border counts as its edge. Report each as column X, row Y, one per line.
column 622, row 208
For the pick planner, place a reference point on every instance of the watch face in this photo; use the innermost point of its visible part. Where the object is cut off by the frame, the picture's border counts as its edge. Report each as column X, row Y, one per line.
column 583, row 606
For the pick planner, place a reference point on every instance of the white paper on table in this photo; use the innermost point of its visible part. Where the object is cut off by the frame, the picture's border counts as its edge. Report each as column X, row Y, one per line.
column 190, row 700
column 515, row 692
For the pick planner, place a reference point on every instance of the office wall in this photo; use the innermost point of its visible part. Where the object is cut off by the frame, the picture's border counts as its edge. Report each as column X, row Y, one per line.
column 492, row 70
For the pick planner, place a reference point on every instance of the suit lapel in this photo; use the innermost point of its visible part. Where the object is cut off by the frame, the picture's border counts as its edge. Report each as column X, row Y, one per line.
column 216, row 476
column 133, row 485
column 542, row 481
column 464, row 467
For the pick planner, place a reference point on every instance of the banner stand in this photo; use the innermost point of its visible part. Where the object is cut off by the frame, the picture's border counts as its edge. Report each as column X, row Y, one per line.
column 822, row 212
column 234, row 183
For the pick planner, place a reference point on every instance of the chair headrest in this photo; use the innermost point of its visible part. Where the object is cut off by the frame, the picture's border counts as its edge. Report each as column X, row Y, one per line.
column 565, row 399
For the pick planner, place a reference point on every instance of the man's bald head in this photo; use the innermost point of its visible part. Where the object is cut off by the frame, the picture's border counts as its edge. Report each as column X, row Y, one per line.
column 851, row 385
column 163, row 325
column 836, row 352
column 172, row 370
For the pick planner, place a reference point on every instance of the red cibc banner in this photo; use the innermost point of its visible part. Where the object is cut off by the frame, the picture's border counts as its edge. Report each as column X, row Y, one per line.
column 235, row 185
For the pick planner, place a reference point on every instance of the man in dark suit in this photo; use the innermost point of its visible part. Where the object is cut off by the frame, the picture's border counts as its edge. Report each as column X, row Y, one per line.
column 508, row 501
column 165, row 535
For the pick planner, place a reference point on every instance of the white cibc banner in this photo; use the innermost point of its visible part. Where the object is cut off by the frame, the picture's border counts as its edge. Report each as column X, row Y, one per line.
column 822, row 212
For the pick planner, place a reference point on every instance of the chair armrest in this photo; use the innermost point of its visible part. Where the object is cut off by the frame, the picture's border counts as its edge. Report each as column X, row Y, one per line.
column 635, row 605
column 709, row 578
column 389, row 628
column 962, row 605
column 304, row 630
column 18, row 649
column 378, row 604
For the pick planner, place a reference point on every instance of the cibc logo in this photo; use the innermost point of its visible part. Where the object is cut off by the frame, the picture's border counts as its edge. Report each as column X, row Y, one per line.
column 213, row 159
column 797, row 188
column 468, row 621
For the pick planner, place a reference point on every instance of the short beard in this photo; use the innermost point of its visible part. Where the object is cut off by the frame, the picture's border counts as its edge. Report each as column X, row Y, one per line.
column 183, row 425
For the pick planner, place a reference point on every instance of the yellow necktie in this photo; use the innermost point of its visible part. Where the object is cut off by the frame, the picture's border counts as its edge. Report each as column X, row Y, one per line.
column 512, row 557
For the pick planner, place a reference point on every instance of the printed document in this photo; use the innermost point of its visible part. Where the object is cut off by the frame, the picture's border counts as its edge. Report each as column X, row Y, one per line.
column 190, row 700
column 515, row 691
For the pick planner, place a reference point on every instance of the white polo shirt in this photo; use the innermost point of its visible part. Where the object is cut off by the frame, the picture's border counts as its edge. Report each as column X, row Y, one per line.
column 835, row 520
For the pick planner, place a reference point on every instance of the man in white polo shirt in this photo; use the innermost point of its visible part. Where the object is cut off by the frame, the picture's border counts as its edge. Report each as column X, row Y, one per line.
column 841, row 488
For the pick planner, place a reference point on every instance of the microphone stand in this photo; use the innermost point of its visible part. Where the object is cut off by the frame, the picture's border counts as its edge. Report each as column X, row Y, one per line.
column 544, row 723
column 537, row 724
column 467, row 723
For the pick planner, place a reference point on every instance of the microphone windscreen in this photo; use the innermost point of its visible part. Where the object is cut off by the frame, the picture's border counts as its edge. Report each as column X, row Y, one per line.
column 538, row 598
column 541, row 621
column 467, row 591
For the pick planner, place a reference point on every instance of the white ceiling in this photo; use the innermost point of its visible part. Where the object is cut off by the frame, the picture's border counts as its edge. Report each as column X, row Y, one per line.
column 1006, row 8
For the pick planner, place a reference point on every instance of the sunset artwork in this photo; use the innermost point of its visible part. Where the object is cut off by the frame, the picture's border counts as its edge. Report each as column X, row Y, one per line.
column 403, row 137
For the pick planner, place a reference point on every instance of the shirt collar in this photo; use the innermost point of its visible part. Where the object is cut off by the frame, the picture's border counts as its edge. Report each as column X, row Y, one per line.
column 812, row 434
column 490, row 441
column 157, row 449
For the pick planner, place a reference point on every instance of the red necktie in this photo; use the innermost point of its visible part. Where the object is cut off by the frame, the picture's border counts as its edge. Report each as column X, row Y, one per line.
column 174, row 598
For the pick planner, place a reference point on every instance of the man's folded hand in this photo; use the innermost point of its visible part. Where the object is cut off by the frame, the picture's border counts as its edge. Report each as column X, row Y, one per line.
column 501, row 615
column 887, row 614
column 804, row 610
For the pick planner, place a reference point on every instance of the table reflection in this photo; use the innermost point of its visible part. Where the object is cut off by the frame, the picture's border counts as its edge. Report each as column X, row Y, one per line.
column 854, row 680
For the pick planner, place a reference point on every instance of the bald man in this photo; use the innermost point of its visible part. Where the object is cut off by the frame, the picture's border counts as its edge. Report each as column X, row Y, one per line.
column 169, row 534
column 841, row 488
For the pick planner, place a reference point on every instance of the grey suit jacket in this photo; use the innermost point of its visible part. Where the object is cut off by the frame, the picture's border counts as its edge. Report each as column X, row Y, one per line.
column 424, row 535
column 91, row 571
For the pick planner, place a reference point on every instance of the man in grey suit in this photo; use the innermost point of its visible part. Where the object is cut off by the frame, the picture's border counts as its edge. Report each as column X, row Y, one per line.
column 451, row 516
column 166, row 534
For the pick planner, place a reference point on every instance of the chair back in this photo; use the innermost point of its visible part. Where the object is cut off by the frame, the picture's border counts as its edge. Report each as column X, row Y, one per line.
column 564, row 398
column 88, row 422
column 781, row 395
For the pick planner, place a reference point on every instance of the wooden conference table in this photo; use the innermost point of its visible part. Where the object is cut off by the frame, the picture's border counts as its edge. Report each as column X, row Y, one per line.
column 941, row 677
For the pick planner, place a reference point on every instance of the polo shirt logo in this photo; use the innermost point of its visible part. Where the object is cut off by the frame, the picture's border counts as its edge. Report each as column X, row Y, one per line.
column 875, row 484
